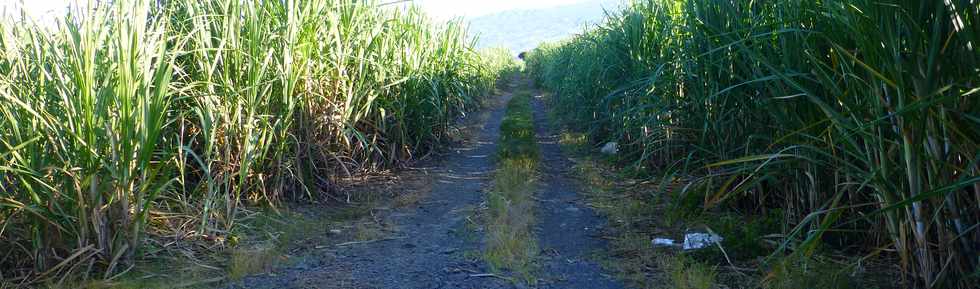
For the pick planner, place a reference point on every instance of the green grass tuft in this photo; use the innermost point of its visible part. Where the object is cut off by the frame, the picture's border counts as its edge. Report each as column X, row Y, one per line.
column 686, row 273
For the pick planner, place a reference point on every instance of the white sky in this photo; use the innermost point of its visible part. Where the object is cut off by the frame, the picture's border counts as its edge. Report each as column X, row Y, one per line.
column 441, row 9
column 37, row 8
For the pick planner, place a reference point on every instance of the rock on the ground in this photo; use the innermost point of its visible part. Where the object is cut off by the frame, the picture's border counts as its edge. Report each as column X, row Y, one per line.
column 611, row 148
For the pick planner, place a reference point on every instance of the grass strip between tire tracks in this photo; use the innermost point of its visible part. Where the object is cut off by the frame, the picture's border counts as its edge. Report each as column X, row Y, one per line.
column 511, row 244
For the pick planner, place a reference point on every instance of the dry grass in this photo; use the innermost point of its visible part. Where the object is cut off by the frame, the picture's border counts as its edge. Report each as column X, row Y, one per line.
column 689, row 274
column 244, row 262
column 638, row 212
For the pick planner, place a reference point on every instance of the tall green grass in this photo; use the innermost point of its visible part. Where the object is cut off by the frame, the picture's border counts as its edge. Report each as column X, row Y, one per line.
column 138, row 118
column 859, row 119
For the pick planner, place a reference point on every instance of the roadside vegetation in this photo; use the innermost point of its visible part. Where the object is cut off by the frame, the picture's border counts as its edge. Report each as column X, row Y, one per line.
column 511, row 246
column 826, row 141
column 635, row 217
column 138, row 129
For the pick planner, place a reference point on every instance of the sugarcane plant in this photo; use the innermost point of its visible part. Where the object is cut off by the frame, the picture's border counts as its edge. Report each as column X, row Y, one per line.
column 130, row 121
column 849, row 116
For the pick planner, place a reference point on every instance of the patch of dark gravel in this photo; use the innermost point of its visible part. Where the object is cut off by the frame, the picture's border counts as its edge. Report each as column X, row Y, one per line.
column 568, row 229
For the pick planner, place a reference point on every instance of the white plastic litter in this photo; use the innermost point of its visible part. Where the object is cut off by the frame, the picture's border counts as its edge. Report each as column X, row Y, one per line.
column 661, row 242
column 696, row 241
column 611, row 148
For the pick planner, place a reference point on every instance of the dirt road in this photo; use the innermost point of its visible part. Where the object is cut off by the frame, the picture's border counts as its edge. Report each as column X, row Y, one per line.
column 435, row 241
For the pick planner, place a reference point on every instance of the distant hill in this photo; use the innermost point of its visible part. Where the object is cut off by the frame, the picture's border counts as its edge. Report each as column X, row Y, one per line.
column 522, row 30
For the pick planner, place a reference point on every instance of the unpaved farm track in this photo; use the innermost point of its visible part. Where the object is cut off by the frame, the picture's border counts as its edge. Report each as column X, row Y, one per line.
column 427, row 250
column 568, row 229
column 432, row 239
